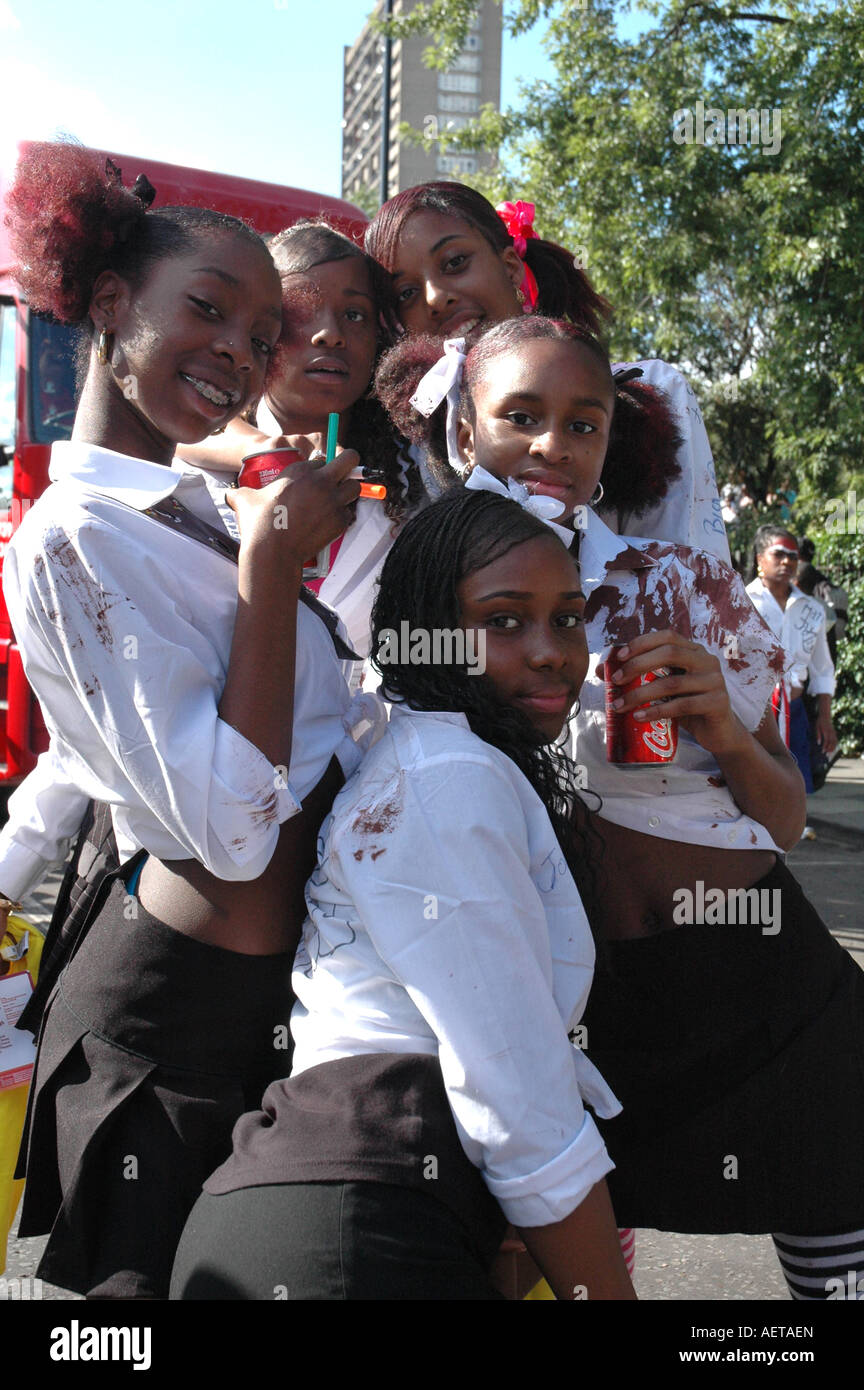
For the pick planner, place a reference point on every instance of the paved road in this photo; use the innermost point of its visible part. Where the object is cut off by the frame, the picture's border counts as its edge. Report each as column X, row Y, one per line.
column 668, row 1267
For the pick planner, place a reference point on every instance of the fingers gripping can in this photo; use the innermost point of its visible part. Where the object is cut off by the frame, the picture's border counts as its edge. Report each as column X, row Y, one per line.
column 637, row 742
column 259, row 470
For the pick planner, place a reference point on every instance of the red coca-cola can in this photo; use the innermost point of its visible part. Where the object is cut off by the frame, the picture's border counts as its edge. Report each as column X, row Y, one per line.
column 260, row 469
column 257, row 470
column 637, row 742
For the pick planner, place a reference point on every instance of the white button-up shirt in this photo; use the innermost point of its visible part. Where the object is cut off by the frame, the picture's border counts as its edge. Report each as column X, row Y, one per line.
column 443, row 920
column 800, row 630
column 636, row 586
column 125, row 628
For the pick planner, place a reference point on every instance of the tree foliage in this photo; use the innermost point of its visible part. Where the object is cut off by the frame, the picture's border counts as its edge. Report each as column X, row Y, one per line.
column 739, row 258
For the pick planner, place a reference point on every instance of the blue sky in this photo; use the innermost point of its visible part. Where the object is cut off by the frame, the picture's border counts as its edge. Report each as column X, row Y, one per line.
column 249, row 88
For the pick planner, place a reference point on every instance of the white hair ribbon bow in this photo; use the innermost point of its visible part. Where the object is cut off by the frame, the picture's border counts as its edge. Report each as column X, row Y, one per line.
column 544, row 508
column 445, row 379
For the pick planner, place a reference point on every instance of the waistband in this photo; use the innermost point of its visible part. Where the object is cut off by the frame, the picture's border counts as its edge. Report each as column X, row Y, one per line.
column 381, row 1117
column 179, row 1002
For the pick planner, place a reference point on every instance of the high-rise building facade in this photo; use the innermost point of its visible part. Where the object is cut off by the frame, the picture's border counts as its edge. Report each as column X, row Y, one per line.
column 428, row 100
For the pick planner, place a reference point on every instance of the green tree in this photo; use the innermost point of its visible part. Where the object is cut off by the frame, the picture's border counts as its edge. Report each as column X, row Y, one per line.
column 732, row 247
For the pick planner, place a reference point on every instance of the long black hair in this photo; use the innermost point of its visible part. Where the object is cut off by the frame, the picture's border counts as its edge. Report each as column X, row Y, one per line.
column 452, row 538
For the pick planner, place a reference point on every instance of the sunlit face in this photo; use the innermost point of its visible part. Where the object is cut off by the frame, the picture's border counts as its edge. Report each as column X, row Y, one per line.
column 530, row 608
column 779, row 563
column 191, row 344
column 448, row 278
column 324, row 358
column 541, row 414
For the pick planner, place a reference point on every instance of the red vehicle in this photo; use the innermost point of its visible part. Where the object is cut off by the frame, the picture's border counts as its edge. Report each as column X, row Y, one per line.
column 37, row 390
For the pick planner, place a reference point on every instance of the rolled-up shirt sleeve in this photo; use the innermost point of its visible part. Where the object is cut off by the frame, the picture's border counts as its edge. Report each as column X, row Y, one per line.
column 123, row 672
column 44, row 813
column 439, row 870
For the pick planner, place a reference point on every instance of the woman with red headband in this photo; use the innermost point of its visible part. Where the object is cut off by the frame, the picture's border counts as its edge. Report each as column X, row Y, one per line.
column 456, row 263
column 798, row 623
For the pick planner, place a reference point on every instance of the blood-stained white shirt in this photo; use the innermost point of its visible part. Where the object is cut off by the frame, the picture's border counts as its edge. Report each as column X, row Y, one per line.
column 443, row 920
column 691, row 511
column 635, row 586
column 800, row 630
column 125, row 628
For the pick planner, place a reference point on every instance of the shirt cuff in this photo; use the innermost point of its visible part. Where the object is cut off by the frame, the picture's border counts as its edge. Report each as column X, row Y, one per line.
column 21, row 870
column 553, row 1191
column 249, row 796
column 821, row 685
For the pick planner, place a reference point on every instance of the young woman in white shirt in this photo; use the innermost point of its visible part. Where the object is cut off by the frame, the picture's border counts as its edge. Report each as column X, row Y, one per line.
column 181, row 682
column 721, row 1000
column 336, row 317
column 445, row 958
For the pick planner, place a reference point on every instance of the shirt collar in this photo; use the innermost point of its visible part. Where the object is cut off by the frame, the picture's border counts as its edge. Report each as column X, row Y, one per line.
column 401, row 711
column 601, row 550
column 134, row 482
column 759, row 589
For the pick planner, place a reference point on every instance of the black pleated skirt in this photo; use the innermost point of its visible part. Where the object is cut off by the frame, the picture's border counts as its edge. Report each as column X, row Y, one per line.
column 152, row 1045
column 738, row 1057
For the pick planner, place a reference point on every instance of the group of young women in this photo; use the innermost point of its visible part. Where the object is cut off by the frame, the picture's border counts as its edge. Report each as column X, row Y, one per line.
column 461, row 889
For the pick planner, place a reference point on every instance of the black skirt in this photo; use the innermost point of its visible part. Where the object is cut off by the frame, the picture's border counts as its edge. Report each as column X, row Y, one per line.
column 738, row 1057
column 151, row 1047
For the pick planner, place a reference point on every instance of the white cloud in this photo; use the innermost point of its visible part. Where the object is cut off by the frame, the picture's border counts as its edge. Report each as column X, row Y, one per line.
column 8, row 20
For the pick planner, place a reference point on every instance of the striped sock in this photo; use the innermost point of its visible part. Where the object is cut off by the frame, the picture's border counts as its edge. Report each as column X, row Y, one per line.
column 627, row 1237
column 823, row 1267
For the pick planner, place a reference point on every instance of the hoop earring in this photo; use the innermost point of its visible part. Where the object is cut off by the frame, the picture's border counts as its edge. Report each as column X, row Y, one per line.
column 594, row 500
column 103, row 348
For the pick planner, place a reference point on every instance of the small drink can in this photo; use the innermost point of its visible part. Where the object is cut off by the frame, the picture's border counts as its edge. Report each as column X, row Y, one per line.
column 260, row 469
column 257, row 470
column 637, row 742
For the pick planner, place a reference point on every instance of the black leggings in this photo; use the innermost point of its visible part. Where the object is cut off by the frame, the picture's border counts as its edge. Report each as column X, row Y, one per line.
column 330, row 1242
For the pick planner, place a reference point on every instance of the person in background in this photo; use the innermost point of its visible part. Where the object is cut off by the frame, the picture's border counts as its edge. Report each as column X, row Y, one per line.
column 798, row 624
column 834, row 600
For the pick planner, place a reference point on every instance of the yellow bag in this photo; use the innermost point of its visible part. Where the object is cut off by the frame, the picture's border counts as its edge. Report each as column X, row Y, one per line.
column 13, row 1103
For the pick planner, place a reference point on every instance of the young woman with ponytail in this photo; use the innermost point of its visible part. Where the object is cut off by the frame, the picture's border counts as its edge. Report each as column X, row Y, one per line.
column 182, row 683
column 457, row 264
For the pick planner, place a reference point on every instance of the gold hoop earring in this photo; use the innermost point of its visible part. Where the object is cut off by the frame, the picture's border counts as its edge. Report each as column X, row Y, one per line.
column 520, row 295
column 103, row 348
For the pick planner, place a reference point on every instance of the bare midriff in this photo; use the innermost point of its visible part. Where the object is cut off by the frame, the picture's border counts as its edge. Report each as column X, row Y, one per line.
column 640, row 874
column 258, row 918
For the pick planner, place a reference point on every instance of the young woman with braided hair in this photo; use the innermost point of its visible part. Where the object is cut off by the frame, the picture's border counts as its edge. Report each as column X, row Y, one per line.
column 445, row 958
